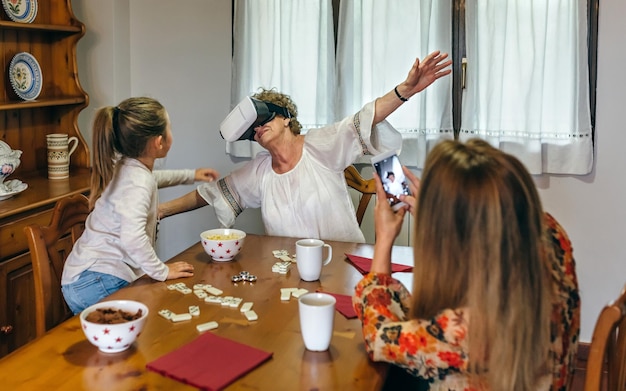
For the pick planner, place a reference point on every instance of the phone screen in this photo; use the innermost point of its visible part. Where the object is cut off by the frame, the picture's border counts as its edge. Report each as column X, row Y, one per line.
column 389, row 170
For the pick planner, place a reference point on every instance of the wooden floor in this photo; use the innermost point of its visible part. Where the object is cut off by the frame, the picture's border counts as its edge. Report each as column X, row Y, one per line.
column 579, row 376
column 581, row 364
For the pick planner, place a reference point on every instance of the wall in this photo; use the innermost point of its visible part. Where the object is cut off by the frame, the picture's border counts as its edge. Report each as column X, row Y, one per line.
column 179, row 52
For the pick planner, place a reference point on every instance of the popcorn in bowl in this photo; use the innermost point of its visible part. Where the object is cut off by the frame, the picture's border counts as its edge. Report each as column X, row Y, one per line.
column 112, row 326
column 222, row 244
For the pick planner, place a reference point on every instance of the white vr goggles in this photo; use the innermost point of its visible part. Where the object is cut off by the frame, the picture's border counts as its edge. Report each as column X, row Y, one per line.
column 239, row 124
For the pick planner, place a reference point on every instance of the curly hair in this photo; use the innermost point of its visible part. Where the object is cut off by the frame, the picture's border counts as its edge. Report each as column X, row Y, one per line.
column 282, row 100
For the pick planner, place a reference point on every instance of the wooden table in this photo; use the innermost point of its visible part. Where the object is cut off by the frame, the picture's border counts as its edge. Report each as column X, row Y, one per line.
column 64, row 359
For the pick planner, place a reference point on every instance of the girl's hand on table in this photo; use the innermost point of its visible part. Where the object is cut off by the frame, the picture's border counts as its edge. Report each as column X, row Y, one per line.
column 179, row 270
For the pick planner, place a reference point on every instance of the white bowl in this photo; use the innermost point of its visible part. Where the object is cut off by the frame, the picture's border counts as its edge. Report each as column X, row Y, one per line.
column 222, row 244
column 116, row 337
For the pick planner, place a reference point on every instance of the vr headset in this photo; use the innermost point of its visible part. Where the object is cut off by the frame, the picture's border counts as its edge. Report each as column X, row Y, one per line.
column 239, row 124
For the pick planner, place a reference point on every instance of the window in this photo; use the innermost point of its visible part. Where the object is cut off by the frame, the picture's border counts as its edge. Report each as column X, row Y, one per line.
column 528, row 85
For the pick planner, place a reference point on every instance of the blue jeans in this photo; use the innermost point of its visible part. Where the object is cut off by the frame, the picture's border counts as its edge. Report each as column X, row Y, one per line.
column 90, row 288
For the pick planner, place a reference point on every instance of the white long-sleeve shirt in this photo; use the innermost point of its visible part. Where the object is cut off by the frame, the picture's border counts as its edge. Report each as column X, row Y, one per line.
column 311, row 200
column 120, row 232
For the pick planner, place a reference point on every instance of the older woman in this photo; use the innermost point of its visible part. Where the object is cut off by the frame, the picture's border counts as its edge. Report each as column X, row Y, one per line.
column 298, row 182
column 495, row 302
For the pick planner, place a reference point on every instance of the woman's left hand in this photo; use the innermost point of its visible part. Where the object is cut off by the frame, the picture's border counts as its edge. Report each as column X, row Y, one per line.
column 424, row 73
column 387, row 225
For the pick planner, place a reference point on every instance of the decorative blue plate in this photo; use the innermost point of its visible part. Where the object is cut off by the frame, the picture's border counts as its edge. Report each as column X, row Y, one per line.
column 25, row 76
column 21, row 11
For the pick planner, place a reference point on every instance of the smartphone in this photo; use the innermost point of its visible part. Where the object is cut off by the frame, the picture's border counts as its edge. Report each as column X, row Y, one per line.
column 389, row 169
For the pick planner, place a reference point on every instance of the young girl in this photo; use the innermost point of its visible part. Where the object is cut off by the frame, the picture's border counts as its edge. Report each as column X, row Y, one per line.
column 117, row 245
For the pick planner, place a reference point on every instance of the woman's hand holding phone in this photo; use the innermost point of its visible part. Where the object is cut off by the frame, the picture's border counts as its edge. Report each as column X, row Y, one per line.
column 387, row 166
column 387, row 226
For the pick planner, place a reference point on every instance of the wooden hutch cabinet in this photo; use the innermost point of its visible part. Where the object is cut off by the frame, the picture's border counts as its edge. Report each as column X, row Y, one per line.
column 51, row 38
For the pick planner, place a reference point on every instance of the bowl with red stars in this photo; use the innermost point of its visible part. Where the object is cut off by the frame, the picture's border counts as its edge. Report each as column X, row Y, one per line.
column 113, row 326
column 222, row 244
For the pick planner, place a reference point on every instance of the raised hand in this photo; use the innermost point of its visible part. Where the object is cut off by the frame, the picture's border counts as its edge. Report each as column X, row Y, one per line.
column 424, row 73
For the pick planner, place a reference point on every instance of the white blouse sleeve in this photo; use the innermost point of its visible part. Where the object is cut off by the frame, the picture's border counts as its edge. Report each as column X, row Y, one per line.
column 239, row 190
column 340, row 144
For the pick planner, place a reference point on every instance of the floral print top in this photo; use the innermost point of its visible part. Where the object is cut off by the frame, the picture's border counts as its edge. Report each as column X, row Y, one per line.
column 436, row 350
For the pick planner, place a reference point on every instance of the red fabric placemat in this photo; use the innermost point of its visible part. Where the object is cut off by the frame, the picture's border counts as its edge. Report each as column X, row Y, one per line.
column 344, row 304
column 209, row 362
column 365, row 264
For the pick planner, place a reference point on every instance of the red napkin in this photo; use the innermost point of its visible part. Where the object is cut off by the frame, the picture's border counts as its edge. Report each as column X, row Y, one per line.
column 209, row 362
column 364, row 264
column 344, row 305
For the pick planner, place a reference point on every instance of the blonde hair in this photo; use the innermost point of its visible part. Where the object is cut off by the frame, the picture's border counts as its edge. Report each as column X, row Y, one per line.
column 282, row 100
column 480, row 244
column 122, row 131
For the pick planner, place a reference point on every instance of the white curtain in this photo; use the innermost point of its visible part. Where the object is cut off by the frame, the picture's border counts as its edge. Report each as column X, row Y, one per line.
column 527, row 82
column 378, row 42
column 287, row 45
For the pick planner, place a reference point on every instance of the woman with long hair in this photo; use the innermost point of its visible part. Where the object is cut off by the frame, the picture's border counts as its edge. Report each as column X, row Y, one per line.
column 494, row 303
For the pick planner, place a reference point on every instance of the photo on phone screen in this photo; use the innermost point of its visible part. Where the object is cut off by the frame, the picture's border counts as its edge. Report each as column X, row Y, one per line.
column 389, row 169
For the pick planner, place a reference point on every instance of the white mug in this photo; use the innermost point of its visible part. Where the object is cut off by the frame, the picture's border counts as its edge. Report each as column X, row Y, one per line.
column 317, row 317
column 59, row 151
column 309, row 258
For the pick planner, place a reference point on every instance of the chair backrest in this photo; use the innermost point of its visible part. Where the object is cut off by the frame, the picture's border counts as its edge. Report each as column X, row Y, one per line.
column 608, row 343
column 49, row 246
column 367, row 188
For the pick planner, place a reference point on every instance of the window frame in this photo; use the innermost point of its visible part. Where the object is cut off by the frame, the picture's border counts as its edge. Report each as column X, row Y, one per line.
column 458, row 54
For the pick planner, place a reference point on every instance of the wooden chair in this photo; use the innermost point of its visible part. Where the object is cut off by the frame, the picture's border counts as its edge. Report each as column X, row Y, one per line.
column 608, row 343
column 367, row 188
column 49, row 246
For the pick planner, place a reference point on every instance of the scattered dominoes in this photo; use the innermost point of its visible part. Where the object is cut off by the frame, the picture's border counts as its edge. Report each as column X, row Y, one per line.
column 214, row 291
column 280, row 253
column 281, row 267
column 207, row 326
column 167, row 314
column 251, row 315
column 285, row 262
column 180, row 317
column 201, row 294
column 211, row 294
column 226, row 301
column 298, row 292
column 202, row 291
column 287, row 293
column 213, row 299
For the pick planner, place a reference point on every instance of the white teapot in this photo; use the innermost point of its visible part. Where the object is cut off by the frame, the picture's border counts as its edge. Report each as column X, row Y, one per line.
column 9, row 161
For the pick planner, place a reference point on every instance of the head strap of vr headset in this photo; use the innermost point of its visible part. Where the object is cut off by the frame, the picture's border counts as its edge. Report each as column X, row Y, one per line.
column 267, row 111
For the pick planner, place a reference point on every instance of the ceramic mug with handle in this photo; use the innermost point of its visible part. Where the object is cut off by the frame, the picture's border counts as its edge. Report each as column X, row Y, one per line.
column 309, row 258
column 60, row 148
